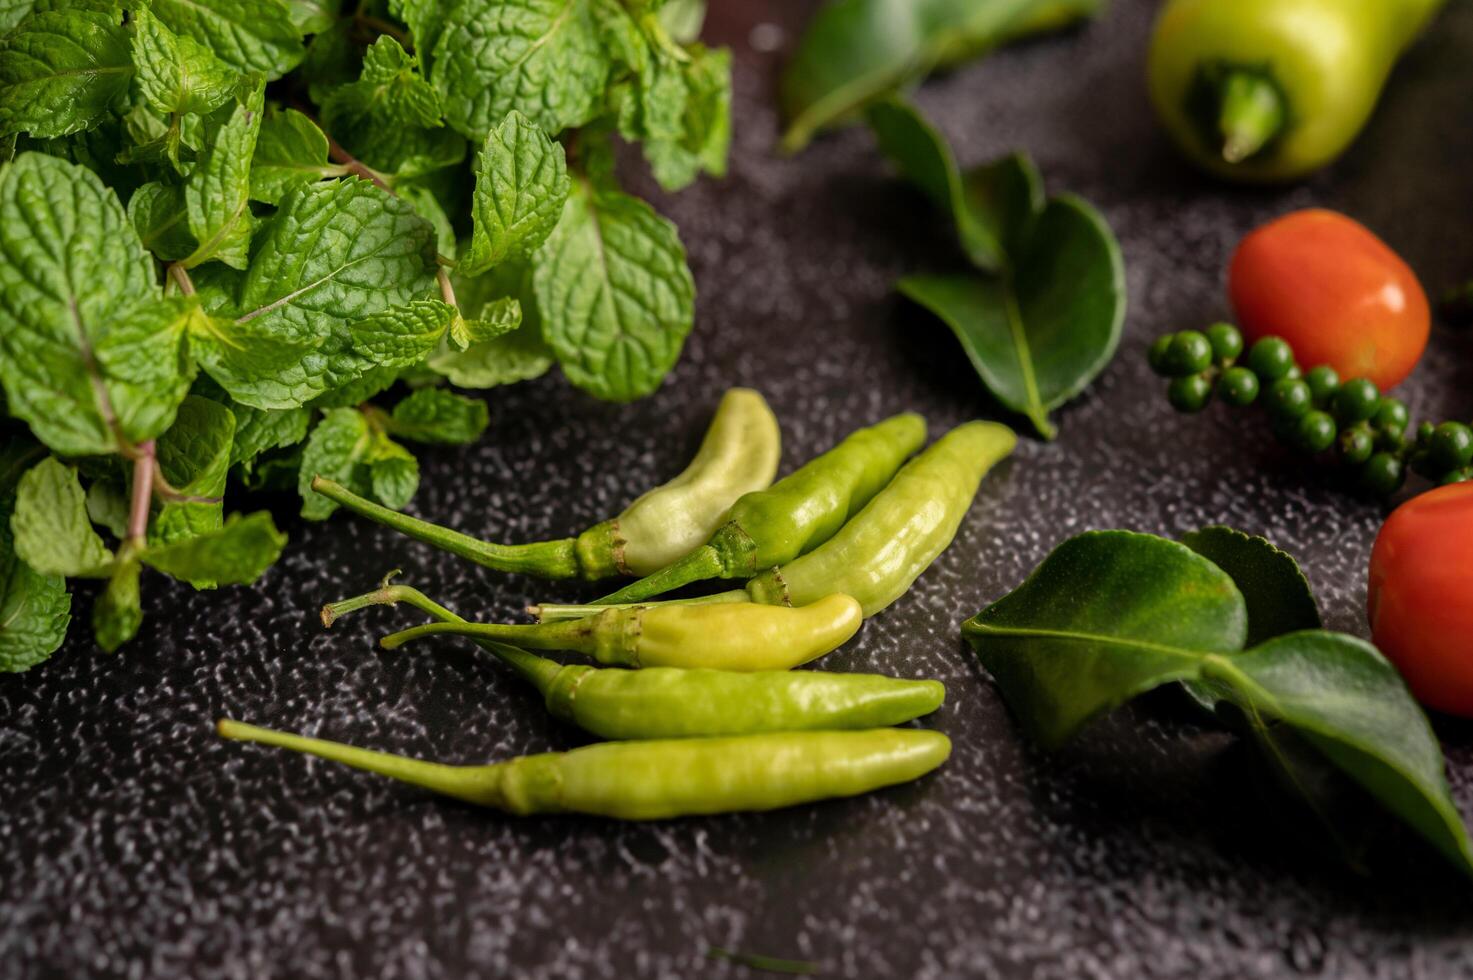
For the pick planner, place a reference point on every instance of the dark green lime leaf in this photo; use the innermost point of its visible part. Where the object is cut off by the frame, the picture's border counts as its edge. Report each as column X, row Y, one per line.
column 1039, row 333
column 615, row 294
column 62, row 71
column 521, row 185
column 70, row 265
column 857, row 51
column 335, row 450
column 1107, row 616
column 544, row 58
column 234, row 554
column 194, row 458
column 1278, row 595
column 118, row 612
column 290, row 151
column 435, row 415
column 251, row 35
column 52, row 533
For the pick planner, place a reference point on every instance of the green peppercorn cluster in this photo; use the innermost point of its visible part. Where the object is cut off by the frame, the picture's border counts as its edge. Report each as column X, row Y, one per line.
column 1313, row 411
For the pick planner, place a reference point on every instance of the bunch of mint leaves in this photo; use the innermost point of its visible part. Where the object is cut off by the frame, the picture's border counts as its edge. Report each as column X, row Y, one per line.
column 244, row 242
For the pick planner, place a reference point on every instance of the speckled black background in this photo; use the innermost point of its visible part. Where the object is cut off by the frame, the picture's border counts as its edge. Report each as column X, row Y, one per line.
column 134, row 843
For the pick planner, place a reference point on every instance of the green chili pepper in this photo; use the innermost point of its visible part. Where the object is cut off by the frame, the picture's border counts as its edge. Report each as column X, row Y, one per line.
column 878, row 554
column 798, row 513
column 669, row 702
column 737, row 636
column 1275, row 89
column 658, row 779
column 738, row 455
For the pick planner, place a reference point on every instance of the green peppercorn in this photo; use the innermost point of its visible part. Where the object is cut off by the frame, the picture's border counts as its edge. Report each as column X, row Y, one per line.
column 1391, row 441
column 1238, row 386
column 1356, row 401
column 1270, row 359
column 1356, row 445
column 1391, row 415
column 1227, row 342
column 1315, row 432
column 1294, row 373
column 1323, row 383
column 1424, row 434
column 1456, row 476
column 1382, row 474
column 1288, row 398
column 1189, row 353
column 1451, row 446
column 1157, row 355
column 1189, row 394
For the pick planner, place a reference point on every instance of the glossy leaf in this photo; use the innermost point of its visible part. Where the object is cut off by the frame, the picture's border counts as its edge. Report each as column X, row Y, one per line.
column 51, row 530
column 855, row 52
column 521, row 186
column 1048, row 323
column 63, row 71
column 1112, row 614
column 70, row 265
column 615, row 294
column 233, row 554
column 1273, row 586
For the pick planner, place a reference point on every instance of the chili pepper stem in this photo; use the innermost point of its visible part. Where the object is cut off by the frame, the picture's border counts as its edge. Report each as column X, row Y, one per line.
column 1252, row 114
column 476, row 784
column 552, row 612
column 567, row 635
column 703, row 563
column 549, row 559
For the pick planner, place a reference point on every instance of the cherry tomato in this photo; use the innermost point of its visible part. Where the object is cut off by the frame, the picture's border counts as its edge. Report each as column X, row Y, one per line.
column 1421, row 596
column 1337, row 293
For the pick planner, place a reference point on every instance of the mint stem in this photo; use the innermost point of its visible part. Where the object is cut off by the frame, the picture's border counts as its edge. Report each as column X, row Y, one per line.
column 143, row 468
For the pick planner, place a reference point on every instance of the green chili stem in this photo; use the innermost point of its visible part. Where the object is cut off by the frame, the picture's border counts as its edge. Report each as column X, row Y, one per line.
column 568, row 635
column 477, row 784
column 703, row 563
column 552, row 612
column 537, row 671
column 548, row 559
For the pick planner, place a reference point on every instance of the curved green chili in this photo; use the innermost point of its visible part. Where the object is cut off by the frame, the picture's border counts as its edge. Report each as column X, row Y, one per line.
column 742, row 636
column 795, row 514
column 738, row 455
column 671, row 702
column 878, row 554
column 658, row 779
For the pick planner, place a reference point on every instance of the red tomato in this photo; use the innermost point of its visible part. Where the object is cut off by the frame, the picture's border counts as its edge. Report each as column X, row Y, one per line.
column 1337, row 293
column 1421, row 600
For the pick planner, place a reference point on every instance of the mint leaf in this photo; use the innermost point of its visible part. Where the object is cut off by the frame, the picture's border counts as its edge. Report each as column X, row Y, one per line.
column 424, row 19
column 193, row 458
column 161, row 219
column 682, row 19
column 35, row 609
column 703, row 136
column 258, row 430
column 142, row 355
column 107, row 506
column 404, row 335
column 118, row 612
column 545, row 58
column 521, row 185
column 437, row 416
column 235, row 554
column 12, row 12
column 496, row 319
column 336, row 253
column 52, row 533
column 519, row 355
column 362, row 388
column 614, row 292
column 218, row 193
column 428, row 207
column 313, row 16
column 393, row 472
column 290, row 151
column 70, row 264
column 389, row 91
column 63, row 71
column 251, row 35
column 178, row 74
column 335, row 450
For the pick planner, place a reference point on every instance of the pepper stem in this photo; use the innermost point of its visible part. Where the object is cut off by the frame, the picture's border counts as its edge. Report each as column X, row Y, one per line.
column 476, row 784
column 552, row 612
column 703, row 563
column 546, row 559
column 1252, row 114
column 571, row 635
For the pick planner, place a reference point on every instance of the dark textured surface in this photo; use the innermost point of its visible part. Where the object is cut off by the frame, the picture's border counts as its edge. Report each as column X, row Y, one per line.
column 137, row 844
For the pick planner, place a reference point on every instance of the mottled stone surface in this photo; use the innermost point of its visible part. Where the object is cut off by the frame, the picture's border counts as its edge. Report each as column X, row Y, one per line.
column 137, row 844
